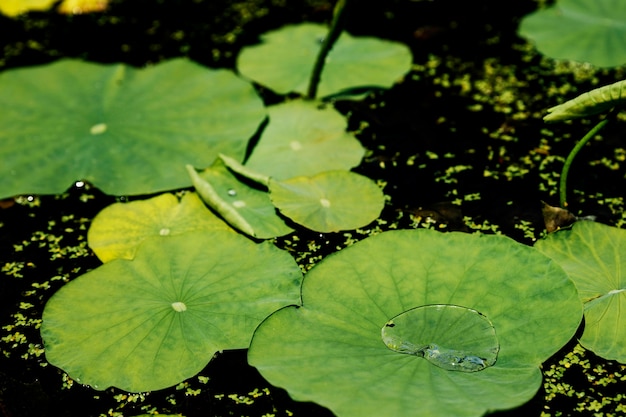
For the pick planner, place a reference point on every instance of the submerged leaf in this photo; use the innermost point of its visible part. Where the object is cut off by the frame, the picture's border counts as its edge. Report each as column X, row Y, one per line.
column 284, row 60
column 119, row 228
column 127, row 131
column 330, row 350
column 152, row 322
column 593, row 255
column 330, row 201
column 303, row 138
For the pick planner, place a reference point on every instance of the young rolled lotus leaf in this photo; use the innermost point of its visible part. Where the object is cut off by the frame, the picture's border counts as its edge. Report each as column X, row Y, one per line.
column 127, row 131
column 284, row 60
column 245, row 208
column 118, row 229
column 151, row 322
column 307, row 139
column 593, row 255
column 330, row 201
column 579, row 30
column 421, row 323
column 592, row 102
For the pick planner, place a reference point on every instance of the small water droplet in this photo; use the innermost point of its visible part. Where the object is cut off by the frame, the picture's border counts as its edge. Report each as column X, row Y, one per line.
column 239, row 204
column 79, row 184
column 232, row 192
column 98, row 129
column 179, row 306
column 164, row 232
column 295, row 145
column 324, row 202
column 451, row 337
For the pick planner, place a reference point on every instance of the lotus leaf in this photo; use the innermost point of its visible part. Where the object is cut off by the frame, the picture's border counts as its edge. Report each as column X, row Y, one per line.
column 125, row 130
column 119, row 228
column 581, row 30
column 244, row 207
column 307, row 139
column 593, row 256
column 330, row 350
column 151, row 322
column 330, row 201
column 284, row 60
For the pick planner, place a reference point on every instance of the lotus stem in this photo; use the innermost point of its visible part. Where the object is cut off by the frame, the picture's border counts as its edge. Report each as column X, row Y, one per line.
column 336, row 28
column 570, row 158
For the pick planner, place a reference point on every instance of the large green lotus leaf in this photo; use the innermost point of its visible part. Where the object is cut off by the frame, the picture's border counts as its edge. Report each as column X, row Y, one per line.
column 119, row 228
column 151, row 322
column 303, row 138
column 246, row 208
column 125, row 130
column 330, row 201
column 594, row 256
column 580, row 30
column 337, row 349
column 284, row 60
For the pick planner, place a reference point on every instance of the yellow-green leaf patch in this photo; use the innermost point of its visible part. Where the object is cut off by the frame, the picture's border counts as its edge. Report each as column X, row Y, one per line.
column 119, row 228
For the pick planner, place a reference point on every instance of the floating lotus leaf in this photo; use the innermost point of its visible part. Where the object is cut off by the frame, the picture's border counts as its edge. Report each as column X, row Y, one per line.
column 580, row 30
column 332, row 349
column 125, row 130
column 593, row 255
column 330, row 201
column 119, row 228
column 303, row 138
column 151, row 322
column 284, row 60
column 244, row 207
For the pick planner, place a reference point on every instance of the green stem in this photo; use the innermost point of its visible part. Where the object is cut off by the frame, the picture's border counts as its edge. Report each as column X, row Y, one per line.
column 572, row 155
column 336, row 27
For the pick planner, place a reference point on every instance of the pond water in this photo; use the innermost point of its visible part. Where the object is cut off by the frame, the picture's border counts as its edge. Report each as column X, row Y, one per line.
column 459, row 144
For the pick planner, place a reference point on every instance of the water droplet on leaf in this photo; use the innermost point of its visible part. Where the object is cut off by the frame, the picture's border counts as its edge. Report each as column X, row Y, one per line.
column 232, row 192
column 98, row 129
column 451, row 337
column 164, row 232
column 179, row 306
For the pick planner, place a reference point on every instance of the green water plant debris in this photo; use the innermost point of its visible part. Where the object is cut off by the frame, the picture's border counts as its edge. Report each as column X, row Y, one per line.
column 307, row 138
column 246, row 208
column 283, row 61
column 151, row 322
column 118, row 229
column 330, row 201
column 127, row 131
column 331, row 349
column 581, row 30
column 428, row 331
column 593, row 256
